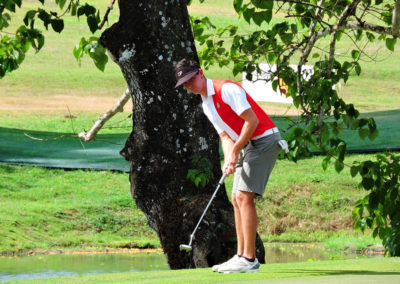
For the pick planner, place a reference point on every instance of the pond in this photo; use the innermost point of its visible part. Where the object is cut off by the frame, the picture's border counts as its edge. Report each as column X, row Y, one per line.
column 44, row 266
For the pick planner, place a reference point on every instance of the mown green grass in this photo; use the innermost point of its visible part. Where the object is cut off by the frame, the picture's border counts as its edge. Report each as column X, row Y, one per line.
column 43, row 209
column 54, row 71
column 346, row 271
column 61, row 122
column 343, row 241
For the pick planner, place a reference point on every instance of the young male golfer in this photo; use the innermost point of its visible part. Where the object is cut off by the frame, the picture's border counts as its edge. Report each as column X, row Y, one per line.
column 251, row 144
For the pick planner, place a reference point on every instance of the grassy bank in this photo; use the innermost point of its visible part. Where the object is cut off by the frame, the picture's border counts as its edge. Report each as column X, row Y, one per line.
column 49, row 209
column 347, row 271
column 43, row 209
column 64, row 78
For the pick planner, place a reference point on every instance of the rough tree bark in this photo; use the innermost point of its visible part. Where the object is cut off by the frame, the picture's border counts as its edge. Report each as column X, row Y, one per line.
column 168, row 129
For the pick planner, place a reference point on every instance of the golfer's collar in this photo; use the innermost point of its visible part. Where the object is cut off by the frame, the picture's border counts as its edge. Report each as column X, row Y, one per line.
column 210, row 88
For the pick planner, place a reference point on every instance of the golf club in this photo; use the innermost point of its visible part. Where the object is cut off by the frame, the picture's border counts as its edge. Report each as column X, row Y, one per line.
column 189, row 246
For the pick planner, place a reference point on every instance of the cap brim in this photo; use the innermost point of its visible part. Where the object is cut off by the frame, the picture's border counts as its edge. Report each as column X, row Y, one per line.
column 185, row 78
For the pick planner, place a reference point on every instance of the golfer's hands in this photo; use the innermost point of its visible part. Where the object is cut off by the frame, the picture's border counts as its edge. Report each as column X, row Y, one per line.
column 230, row 164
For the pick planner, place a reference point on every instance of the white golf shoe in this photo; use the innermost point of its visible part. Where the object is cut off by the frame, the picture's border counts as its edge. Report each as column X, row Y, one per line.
column 240, row 266
column 233, row 259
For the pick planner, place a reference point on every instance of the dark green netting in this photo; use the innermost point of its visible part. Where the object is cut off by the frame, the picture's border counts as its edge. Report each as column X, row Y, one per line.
column 103, row 154
column 388, row 124
column 66, row 152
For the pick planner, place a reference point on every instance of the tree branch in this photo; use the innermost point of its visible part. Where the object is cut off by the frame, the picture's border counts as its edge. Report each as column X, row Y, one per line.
column 355, row 25
column 317, row 6
column 91, row 134
column 306, row 52
column 396, row 19
column 105, row 19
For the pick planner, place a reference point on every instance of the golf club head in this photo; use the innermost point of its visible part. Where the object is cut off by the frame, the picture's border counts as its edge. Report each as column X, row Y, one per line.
column 185, row 247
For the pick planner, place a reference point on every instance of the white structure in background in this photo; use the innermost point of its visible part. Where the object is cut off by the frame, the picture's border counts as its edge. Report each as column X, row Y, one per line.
column 260, row 89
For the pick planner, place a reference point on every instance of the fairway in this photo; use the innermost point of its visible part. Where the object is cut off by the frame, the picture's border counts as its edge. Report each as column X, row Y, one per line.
column 385, row 270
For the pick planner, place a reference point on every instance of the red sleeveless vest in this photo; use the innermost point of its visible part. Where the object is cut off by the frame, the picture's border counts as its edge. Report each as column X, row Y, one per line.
column 232, row 119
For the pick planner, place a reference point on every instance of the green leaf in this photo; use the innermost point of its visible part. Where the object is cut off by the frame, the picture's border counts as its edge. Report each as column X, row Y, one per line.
column 358, row 68
column 249, row 76
column 237, row 68
column 339, row 166
column 268, row 15
column 61, row 3
column 355, row 53
column 325, row 162
column 100, row 58
column 248, row 14
column 370, row 37
column 206, row 21
column 92, row 23
column 81, row 11
column 238, row 5
column 74, row 9
column 354, row 170
column 258, row 18
column 363, row 133
column 372, row 135
column 293, row 28
column 390, row 42
column 275, row 85
column 367, row 183
column 9, row 5
column 5, row 20
column 89, row 10
column 57, row 25
column 324, row 134
column 77, row 51
column 40, row 40
column 342, row 151
column 29, row 17
column 356, row 212
column 296, row 101
column 272, row 57
column 45, row 17
column 375, row 232
column 197, row 180
column 18, row 2
column 298, row 132
column 262, row 4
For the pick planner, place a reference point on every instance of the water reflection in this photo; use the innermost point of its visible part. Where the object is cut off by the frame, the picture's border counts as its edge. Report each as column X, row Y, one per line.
column 284, row 252
column 44, row 266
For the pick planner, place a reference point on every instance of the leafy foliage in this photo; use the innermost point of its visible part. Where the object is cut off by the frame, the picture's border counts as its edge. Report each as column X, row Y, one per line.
column 14, row 45
column 380, row 208
column 92, row 48
column 202, row 173
column 324, row 113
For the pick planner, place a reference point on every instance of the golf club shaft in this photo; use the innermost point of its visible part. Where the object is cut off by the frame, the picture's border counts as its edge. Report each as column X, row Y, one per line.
column 221, row 181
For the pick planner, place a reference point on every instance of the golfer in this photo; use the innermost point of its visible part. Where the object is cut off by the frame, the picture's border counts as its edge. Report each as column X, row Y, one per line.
column 251, row 144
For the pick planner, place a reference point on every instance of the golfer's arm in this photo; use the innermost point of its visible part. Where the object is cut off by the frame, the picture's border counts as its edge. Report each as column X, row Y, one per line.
column 250, row 125
column 227, row 144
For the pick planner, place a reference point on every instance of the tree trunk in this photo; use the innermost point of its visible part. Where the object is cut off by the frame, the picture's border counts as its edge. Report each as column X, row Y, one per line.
column 169, row 128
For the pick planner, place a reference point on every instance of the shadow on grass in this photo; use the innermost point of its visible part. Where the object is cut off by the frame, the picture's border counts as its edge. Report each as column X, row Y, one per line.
column 318, row 272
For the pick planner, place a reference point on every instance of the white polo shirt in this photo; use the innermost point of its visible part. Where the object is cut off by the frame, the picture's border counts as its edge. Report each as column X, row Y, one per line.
column 231, row 94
